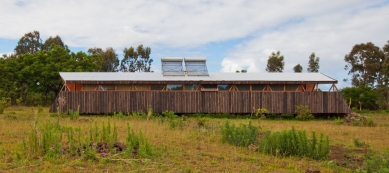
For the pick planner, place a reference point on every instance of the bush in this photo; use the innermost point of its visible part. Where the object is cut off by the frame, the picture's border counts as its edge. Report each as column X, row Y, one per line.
column 261, row 112
column 34, row 99
column 295, row 143
column 303, row 113
column 244, row 135
column 74, row 115
column 4, row 103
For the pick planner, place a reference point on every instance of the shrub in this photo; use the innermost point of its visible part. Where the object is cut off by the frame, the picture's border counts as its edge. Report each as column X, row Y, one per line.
column 378, row 163
column 19, row 101
column 303, row 113
column 261, row 112
column 243, row 135
column 34, row 99
column 119, row 115
column 295, row 143
column 287, row 116
column 4, row 103
column 173, row 119
column 338, row 121
column 360, row 144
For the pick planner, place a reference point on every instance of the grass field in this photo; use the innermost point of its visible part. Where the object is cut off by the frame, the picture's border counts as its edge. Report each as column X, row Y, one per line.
column 179, row 144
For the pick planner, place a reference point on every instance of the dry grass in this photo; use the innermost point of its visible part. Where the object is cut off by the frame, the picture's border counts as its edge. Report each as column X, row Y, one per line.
column 187, row 149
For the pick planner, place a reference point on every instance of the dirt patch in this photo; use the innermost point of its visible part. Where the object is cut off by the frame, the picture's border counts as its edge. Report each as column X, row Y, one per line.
column 352, row 159
column 10, row 117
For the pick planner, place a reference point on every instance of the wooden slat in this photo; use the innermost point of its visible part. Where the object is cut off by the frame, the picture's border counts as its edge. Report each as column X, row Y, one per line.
column 199, row 102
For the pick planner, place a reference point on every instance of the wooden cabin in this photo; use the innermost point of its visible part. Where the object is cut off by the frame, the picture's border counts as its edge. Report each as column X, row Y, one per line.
column 193, row 90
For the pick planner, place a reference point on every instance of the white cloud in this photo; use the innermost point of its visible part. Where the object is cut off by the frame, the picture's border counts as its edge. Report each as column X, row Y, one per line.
column 296, row 28
column 330, row 36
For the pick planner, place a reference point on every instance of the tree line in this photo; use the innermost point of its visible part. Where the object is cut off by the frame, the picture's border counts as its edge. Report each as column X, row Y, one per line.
column 30, row 75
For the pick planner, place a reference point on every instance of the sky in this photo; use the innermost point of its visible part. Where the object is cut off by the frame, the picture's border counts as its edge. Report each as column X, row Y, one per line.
column 231, row 34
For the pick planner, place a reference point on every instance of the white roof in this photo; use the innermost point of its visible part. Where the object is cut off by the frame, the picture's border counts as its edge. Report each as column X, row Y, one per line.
column 215, row 76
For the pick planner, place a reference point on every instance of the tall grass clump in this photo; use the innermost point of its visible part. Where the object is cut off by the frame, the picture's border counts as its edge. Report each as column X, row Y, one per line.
column 45, row 140
column 74, row 115
column 242, row 135
column 119, row 115
column 295, row 143
column 173, row 119
column 137, row 145
column 378, row 163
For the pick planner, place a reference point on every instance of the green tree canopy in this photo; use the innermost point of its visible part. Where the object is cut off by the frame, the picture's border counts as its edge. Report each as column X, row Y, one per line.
column 53, row 40
column 106, row 61
column 298, row 68
column 275, row 63
column 136, row 60
column 30, row 43
column 313, row 63
column 364, row 63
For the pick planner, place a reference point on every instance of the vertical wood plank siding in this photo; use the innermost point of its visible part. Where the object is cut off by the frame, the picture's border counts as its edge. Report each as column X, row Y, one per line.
column 204, row 102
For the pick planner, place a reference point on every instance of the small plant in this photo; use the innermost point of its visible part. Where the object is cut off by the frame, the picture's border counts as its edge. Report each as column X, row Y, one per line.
column 74, row 115
column 338, row 121
column 40, row 109
column 261, row 112
column 243, row 135
column 201, row 121
column 360, row 144
column 4, row 103
column 149, row 112
column 119, row 115
column 19, row 101
column 303, row 113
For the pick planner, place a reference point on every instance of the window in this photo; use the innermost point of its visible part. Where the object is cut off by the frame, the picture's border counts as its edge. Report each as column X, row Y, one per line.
column 242, row 87
column 124, row 87
column 258, row 87
column 174, row 87
column 107, row 87
column 292, row 87
column 90, row 87
column 191, row 87
column 276, row 87
column 158, row 87
column 209, row 87
column 224, row 87
column 141, row 87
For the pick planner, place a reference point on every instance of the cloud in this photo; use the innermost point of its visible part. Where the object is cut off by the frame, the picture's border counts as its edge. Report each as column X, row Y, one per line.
column 296, row 28
column 331, row 36
column 165, row 23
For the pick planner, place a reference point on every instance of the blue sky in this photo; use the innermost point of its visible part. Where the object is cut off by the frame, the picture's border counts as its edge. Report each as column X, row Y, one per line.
column 232, row 34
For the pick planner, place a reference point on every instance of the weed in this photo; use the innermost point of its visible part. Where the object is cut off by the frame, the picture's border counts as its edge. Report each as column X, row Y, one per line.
column 295, row 143
column 244, row 135
column 138, row 145
column 378, row 163
column 338, row 121
column 360, row 144
column 261, row 112
column 74, row 115
column 119, row 115
column 4, row 103
column 201, row 121
column 303, row 113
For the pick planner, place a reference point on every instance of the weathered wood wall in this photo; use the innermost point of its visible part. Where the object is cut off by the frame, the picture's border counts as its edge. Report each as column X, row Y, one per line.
column 194, row 102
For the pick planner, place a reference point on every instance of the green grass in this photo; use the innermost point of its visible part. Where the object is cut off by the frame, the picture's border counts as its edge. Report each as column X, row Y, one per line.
column 35, row 142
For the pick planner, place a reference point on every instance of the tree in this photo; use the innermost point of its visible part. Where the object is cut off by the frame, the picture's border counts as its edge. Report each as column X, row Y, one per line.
column 128, row 63
column 136, row 60
column 53, row 40
column 298, row 68
column 364, row 63
column 275, row 63
column 106, row 61
column 29, row 43
column 313, row 63
column 37, row 75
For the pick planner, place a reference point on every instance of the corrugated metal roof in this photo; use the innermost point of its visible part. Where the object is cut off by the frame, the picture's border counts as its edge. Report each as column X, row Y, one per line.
column 216, row 76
